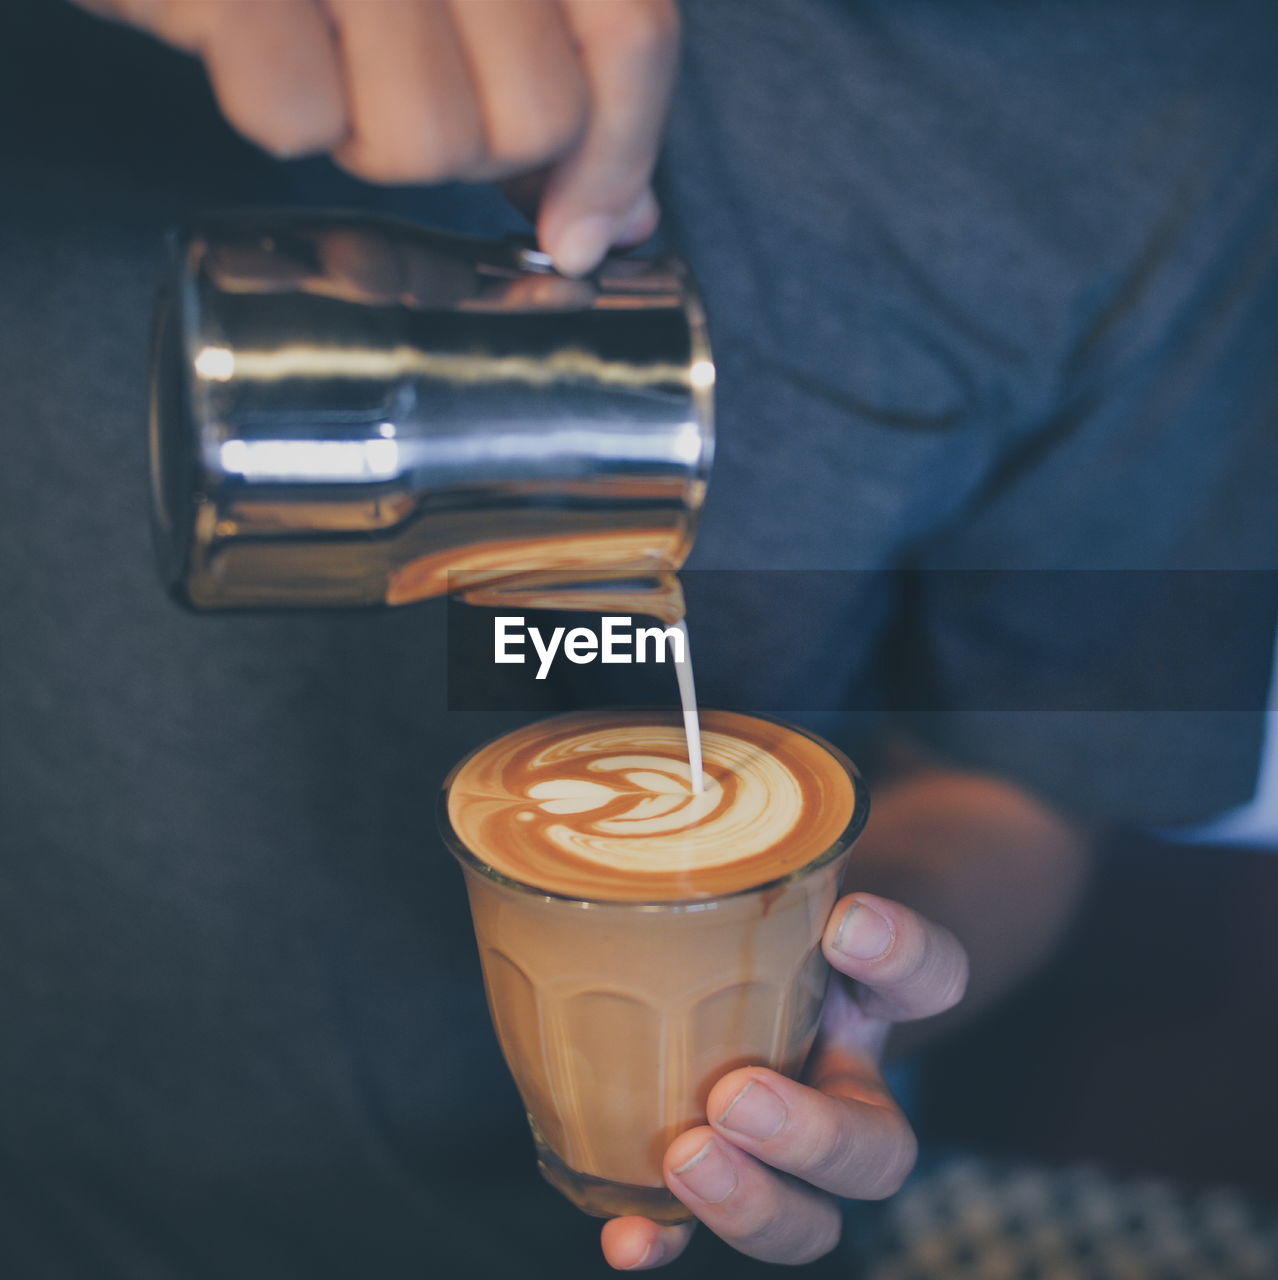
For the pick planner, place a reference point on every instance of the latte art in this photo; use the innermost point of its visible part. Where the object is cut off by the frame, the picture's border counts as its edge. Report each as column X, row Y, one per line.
column 627, row 825
column 602, row 804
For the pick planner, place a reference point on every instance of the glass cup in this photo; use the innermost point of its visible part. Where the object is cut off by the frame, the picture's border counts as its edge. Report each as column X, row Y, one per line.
column 617, row 1018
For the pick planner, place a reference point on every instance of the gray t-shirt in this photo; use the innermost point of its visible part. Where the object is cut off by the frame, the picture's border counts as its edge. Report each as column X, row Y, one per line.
column 992, row 287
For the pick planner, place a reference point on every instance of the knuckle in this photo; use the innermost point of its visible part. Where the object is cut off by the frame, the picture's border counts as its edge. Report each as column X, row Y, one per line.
column 940, row 980
column 831, row 1152
column 792, row 1233
column 932, row 969
column 762, row 1228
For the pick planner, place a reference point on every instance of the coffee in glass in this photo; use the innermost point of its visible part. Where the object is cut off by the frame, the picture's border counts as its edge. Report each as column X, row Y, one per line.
column 638, row 939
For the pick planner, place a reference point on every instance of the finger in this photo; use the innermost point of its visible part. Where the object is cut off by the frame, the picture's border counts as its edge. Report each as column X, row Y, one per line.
column 132, row 11
column 525, row 192
column 629, row 49
column 639, row 1244
column 640, row 222
column 529, row 82
column 274, row 68
column 848, row 1137
column 414, row 116
column 177, row 24
column 756, row 1210
column 909, row 968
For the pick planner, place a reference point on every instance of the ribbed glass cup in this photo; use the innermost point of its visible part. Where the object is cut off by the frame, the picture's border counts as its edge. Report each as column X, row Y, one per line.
column 617, row 1018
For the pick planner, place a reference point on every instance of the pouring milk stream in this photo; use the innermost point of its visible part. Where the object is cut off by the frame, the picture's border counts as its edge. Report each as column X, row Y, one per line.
column 354, row 411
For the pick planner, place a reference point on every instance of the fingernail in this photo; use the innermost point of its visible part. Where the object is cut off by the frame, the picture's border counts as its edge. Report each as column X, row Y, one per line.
column 642, row 1261
column 709, row 1174
column 864, row 933
column 756, row 1111
column 582, row 245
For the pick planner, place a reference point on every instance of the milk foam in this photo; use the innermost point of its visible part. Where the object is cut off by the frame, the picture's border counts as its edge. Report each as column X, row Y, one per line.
column 605, row 803
column 628, row 824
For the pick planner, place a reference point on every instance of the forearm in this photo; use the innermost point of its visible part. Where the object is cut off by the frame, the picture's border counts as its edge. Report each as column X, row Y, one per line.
column 994, row 864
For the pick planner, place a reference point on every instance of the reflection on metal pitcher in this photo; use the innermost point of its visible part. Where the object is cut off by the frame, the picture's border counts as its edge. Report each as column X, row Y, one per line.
column 349, row 410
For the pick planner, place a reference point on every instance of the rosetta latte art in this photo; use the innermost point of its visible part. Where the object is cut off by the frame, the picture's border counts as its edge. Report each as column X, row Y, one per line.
column 602, row 804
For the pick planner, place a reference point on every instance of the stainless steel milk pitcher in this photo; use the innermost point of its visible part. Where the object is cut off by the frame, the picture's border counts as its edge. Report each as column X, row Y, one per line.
column 350, row 410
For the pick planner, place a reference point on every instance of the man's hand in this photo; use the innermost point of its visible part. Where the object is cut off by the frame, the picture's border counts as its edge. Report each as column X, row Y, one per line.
column 765, row 1174
column 571, row 94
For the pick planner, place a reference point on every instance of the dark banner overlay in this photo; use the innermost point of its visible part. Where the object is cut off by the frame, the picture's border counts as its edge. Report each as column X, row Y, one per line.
column 785, row 642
